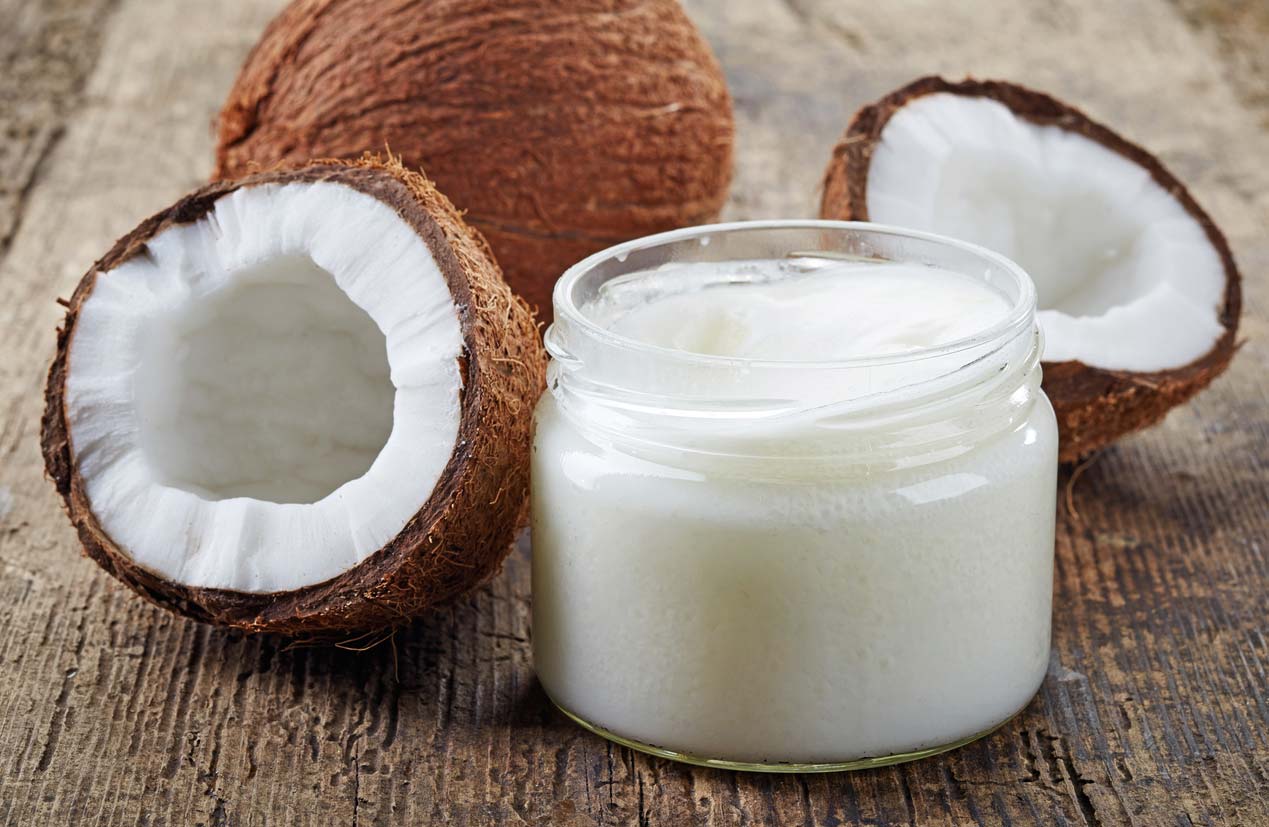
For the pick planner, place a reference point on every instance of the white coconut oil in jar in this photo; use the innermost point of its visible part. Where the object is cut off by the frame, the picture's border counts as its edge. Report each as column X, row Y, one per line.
column 793, row 495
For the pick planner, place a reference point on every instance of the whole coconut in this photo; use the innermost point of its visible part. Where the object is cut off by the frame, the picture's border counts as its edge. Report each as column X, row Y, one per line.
column 558, row 128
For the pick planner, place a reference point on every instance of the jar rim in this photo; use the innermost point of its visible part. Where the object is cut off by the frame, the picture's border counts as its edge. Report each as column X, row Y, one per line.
column 1021, row 315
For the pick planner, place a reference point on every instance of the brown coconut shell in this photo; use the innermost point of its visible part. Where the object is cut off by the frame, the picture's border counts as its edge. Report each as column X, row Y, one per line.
column 461, row 534
column 1094, row 406
column 559, row 130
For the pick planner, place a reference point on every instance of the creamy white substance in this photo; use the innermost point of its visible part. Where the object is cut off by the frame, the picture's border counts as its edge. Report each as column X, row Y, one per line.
column 838, row 310
column 786, row 611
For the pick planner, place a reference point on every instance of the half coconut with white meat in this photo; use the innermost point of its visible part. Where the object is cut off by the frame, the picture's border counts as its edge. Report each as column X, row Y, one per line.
column 298, row 403
column 1138, row 293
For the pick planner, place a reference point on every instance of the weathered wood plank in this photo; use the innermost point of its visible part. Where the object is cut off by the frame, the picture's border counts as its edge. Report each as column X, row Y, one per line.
column 1156, row 708
column 45, row 56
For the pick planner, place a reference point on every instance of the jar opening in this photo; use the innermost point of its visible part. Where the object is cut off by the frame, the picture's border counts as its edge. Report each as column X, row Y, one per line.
column 638, row 392
column 576, row 293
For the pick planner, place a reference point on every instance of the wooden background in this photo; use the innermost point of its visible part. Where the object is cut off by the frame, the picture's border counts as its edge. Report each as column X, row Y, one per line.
column 1156, row 708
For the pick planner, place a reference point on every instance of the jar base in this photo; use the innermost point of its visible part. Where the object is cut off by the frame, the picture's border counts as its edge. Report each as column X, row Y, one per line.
column 780, row 767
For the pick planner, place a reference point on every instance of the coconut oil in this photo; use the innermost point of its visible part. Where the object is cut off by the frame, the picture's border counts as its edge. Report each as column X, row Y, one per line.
column 793, row 496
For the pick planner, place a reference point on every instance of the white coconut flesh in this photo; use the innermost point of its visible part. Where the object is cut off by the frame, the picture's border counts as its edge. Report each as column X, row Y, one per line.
column 266, row 396
column 1126, row 278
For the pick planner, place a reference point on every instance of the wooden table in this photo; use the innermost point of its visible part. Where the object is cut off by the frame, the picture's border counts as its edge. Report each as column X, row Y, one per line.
column 1156, row 707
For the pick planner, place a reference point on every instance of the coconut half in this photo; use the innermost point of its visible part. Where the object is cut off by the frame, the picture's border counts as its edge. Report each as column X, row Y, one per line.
column 1138, row 293
column 299, row 402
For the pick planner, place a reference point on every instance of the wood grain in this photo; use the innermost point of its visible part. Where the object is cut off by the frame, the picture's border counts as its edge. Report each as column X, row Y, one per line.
column 1156, row 707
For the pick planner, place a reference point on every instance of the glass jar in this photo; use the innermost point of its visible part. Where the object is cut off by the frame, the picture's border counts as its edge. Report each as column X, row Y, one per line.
column 796, row 566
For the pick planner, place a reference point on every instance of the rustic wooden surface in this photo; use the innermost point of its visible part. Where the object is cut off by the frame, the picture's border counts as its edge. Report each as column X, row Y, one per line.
column 1156, row 708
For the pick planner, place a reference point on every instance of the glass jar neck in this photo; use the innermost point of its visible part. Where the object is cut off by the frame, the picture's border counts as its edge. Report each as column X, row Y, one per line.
column 897, row 409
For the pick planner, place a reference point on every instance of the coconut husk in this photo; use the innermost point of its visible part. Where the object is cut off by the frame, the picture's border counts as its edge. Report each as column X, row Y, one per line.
column 558, row 131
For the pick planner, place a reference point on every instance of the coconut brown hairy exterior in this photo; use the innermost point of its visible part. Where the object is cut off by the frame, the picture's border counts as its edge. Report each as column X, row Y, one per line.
column 558, row 129
column 455, row 536
column 1094, row 404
